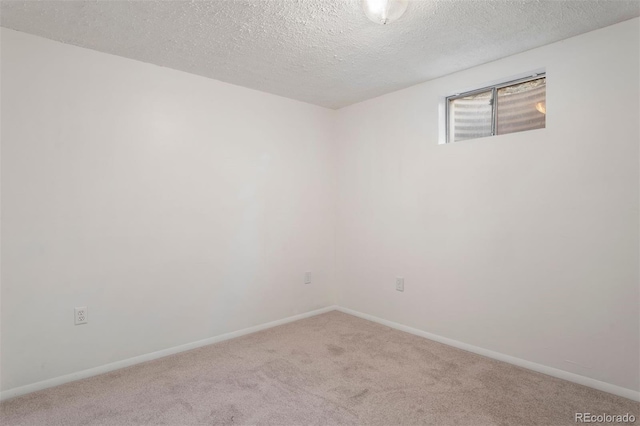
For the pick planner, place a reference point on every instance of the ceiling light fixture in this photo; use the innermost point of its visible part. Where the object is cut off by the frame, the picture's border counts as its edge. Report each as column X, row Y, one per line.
column 384, row 11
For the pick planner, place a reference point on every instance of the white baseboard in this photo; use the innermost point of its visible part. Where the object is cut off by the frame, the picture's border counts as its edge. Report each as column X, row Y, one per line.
column 11, row 393
column 550, row 371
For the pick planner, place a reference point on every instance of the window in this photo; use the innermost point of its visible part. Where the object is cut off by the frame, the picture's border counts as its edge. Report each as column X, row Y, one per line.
column 509, row 107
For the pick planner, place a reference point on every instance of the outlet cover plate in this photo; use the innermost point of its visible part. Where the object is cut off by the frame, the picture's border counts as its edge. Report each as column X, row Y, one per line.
column 81, row 315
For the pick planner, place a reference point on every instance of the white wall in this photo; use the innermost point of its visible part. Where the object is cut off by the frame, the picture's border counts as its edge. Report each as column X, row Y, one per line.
column 524, row 244
column 174, row 207
column 178, row 208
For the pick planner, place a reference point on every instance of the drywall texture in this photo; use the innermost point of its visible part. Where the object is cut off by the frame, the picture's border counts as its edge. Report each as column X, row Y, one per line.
column 324, row 52
column 525, row 244
column 174, row 207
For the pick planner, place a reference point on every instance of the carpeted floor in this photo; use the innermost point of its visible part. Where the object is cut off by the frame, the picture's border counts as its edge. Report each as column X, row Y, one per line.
column 329, row 369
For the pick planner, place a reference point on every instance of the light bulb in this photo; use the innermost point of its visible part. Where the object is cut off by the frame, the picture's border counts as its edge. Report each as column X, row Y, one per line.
column 542, row 107
column 384, row 11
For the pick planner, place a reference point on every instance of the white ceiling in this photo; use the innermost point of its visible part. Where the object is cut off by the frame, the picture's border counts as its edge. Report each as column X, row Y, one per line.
column 324, row 52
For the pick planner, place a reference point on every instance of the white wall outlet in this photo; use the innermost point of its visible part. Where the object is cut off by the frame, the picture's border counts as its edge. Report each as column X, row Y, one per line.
column 399, row 283
column 307, row 277
column 81, row 315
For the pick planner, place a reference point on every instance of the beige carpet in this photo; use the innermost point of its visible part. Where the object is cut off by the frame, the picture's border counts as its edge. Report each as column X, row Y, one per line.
column 329, row 369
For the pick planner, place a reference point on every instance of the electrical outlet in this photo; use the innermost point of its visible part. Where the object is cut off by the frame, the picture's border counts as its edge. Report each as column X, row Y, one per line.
column 81, row 315
column 399, row 284
column 307, row 277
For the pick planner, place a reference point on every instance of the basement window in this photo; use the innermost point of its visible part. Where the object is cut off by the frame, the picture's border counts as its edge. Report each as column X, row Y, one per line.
column 509, row 107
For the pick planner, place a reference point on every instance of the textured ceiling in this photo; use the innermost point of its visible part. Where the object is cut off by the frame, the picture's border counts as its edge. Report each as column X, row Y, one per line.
column 324, row 52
